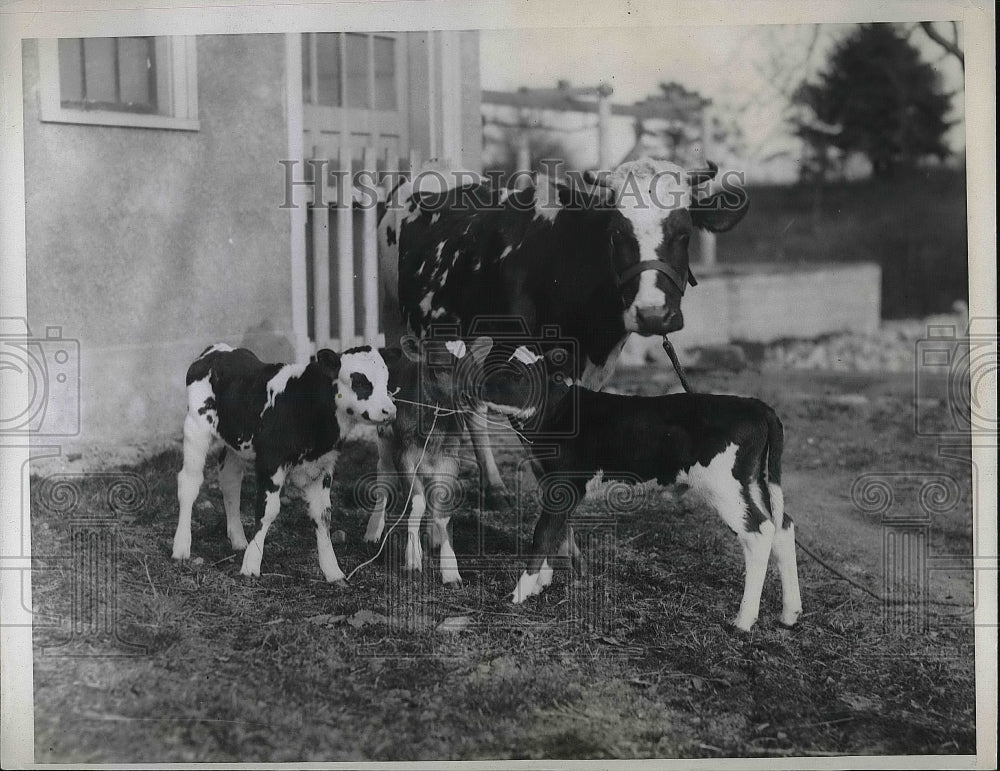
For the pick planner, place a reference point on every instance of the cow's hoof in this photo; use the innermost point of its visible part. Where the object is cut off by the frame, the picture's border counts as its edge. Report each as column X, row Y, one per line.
column 239, row 542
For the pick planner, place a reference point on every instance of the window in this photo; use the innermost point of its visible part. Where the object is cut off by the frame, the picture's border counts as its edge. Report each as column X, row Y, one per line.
column 349, row 69
column 146, row 82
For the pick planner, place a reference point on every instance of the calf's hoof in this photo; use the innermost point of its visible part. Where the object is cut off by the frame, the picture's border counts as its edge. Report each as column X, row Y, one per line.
column 790, row 619
column 373, row 533
column 451, row 578
column 340, row 583
column 182, row 548
column 239, row 542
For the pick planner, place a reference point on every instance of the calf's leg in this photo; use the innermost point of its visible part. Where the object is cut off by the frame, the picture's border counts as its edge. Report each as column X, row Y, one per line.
column 496, row 494
column 197, row 440
column 268, row 504
column 559, row 497
column 231, row 481
column 414, row 554
column 376, row 522
column 320, row 511
column 783, row 547
column 442, row 495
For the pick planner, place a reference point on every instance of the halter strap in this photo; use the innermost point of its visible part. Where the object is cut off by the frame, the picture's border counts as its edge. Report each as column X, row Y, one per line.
column 678, row 279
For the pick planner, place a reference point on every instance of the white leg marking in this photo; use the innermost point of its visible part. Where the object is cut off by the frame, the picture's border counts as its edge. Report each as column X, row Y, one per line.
column 414, row 554
column 784, row 552
column 231, row 480
column 255, row 549
column 756, row 550
column 318, row 498
column 449, row 562
column 197, row 439
column 376, row 522
column 544, row 575
column 527, row 586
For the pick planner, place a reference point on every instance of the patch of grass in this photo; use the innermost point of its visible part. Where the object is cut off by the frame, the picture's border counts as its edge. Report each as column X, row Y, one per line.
column 634, row 660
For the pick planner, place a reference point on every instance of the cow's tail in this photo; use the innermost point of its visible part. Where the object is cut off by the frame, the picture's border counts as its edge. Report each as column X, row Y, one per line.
column 770, row 471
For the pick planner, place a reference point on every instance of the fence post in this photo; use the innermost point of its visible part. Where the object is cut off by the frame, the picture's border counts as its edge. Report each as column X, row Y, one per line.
column 369, row 255
column 321, row 255
column 345, row 248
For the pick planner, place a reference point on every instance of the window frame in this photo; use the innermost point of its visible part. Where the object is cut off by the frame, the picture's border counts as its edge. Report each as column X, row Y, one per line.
column 178, row 52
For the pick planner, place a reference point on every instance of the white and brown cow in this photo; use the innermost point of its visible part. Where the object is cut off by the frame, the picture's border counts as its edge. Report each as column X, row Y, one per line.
column 596, row 265
column 288, row 421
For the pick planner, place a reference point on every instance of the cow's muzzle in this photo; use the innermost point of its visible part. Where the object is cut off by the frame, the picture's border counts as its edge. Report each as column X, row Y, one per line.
column 658, row 320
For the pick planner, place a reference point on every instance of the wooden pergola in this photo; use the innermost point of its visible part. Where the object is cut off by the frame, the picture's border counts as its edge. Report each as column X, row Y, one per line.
column 675, row 104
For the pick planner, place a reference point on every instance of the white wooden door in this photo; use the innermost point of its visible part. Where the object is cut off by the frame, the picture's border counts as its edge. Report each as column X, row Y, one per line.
column 354, row 87
column 355, row 114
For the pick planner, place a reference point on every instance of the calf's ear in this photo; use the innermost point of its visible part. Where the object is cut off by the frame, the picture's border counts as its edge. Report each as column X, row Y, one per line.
column 720, row 211
column 481, row 348
column 391, row 355
column 411, row 348
column 329, row 361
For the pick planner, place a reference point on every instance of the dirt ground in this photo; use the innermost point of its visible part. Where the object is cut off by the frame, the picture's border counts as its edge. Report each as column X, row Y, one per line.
column 140, row 659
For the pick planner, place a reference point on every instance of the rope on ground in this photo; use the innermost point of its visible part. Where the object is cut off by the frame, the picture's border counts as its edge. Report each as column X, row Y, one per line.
column 838, row 573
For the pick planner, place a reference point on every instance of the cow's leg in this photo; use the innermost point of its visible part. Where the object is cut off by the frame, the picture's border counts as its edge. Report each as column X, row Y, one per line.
column 570, row 548
column 320, row 510
column 268, row 504
column 418, row 503
column 441, row 498
column 549, row 533
column 756, row 550
column 376, row 522
column 783, row 547
column 231, row 482
column 755, row 531
column 197, row 440
column 495, row 492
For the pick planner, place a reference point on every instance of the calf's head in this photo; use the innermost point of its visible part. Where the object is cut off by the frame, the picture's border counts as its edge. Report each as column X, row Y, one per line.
column 449, row 370
column 361, row 379
column 659, row 199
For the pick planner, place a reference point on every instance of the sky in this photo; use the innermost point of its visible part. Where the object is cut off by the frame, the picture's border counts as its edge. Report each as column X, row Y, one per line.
column 742, row 67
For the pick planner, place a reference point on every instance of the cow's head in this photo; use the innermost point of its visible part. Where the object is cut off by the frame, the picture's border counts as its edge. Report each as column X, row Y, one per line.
column 658, row 198
column 361, row 378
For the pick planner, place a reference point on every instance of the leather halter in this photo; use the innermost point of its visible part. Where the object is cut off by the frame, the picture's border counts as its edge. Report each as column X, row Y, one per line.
column 678, row 279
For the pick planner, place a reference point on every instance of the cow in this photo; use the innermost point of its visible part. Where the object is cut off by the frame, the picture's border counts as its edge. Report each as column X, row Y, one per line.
column 597, row 264
column 433, row 383
column 726, row 448
column 288, row 421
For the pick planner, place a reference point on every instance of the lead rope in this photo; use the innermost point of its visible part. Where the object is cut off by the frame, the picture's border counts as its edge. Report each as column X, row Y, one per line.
column 385, row 538
column 669, row 348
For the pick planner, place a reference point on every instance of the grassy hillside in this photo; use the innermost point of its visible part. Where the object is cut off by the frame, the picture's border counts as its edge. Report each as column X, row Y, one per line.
column 914, row 226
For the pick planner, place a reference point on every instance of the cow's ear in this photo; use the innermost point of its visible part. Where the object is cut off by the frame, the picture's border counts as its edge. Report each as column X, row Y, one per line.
column 481, row 348
column 720, row 211
column 411, row 348
column 329, row 362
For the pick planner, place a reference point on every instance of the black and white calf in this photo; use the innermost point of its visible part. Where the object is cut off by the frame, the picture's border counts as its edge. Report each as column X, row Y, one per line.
column 432, row 375
column 289, row 421
column 726, row 447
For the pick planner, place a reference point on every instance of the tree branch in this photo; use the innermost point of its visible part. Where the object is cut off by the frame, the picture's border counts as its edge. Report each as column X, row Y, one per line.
column 948, row 45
